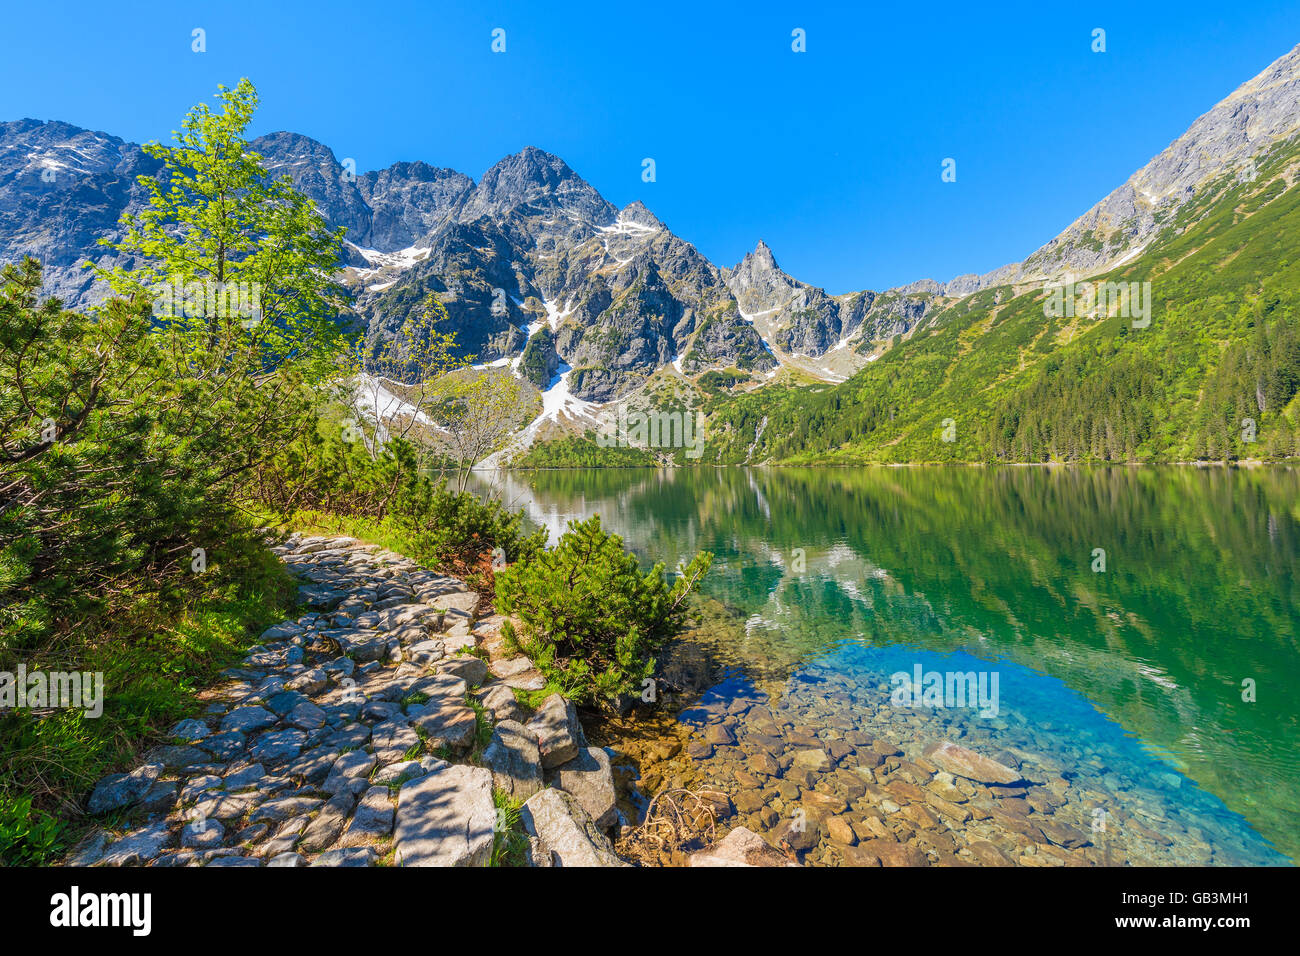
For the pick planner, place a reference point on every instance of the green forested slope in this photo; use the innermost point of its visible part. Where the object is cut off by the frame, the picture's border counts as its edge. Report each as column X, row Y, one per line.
column 1223, row 345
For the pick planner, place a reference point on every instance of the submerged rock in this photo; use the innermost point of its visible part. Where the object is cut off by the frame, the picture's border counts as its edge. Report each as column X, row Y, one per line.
column 741, row 847
column 961, row 762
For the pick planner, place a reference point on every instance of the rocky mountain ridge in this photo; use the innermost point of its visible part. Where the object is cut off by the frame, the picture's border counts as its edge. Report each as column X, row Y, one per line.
column 1221, row 146
column 531, row 246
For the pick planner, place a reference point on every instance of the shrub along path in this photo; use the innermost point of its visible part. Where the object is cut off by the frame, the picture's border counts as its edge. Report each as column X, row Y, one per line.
column 368, row 731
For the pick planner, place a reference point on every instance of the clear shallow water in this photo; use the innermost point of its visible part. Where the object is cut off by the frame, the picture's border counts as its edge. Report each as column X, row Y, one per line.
column 1128, row 682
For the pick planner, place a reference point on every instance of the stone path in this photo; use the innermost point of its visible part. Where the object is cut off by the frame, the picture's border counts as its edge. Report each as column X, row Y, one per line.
column 350, row 737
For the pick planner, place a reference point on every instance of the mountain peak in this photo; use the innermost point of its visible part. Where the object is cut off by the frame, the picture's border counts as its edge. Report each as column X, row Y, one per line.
column 284, row 148
column 1224, row 140
column 637, row 212
column 528, row 167
column 540, row 181
column 760, row 260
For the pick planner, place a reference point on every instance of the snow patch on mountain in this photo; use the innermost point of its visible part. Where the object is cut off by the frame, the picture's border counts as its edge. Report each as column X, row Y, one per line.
column 401, row 260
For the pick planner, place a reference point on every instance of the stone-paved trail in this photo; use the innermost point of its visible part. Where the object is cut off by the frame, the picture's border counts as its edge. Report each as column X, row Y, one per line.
column 347, row 738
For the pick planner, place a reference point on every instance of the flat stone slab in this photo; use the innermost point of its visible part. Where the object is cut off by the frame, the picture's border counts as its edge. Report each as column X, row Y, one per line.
column 328, row 824
column 285, row 808
column 472, row 670
column 446, row 818
column 398, row 773
column 226, row 807
column 277, row 746
column 351, row 856
column 464, row 602
column 426, row 652
column 372, row 821
column 175, row 757
column 246, row 720
column 449, row 725
column 567, row 836
column 225, row 745
column 139, row 846
column 501, row 701
column 123, row 789
column 528, row 680
column 393, row 739
column 190, row 730
column 202, row 834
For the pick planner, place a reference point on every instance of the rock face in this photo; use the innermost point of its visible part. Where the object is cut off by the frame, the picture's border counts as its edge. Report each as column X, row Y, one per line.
column 566, row 835
column 590, row 779
column 515, row 760
column 61, row 187
column 1215, row 151
column 446, row 818
column 558, row 732
column 803, row 319
column 618, row 295
column 961, row 762
column 612, row 294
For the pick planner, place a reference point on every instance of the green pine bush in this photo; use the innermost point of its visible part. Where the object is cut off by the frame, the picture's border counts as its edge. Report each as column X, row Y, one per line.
column 590, row 619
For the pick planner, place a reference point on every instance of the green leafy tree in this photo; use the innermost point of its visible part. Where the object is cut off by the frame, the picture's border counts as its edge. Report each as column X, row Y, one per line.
column 478, row 414
column 395, row 387
column 237, row 259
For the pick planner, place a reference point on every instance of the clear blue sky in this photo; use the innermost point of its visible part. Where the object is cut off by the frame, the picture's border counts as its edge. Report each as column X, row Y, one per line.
column 832, row 156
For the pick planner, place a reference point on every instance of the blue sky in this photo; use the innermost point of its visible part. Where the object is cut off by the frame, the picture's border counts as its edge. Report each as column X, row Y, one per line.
column 833, row 156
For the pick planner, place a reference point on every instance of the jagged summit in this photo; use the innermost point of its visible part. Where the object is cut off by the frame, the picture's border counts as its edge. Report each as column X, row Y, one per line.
column 636, row 212
column 533, row 234
column 537, row 179
column 760, row 258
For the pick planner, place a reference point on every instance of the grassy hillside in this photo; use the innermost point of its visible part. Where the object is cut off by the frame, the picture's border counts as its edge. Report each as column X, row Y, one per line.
column 1003, row 381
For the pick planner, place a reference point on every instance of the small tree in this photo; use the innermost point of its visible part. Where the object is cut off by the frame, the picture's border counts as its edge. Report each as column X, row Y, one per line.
column 589, row 618
column 238, row 269
column 236, row 261
column 420, row 353
column 478, row 413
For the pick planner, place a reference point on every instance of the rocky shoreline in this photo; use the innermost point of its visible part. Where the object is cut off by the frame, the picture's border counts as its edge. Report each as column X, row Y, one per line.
column 824, row 767
column 382, row 728
column 369, row 731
